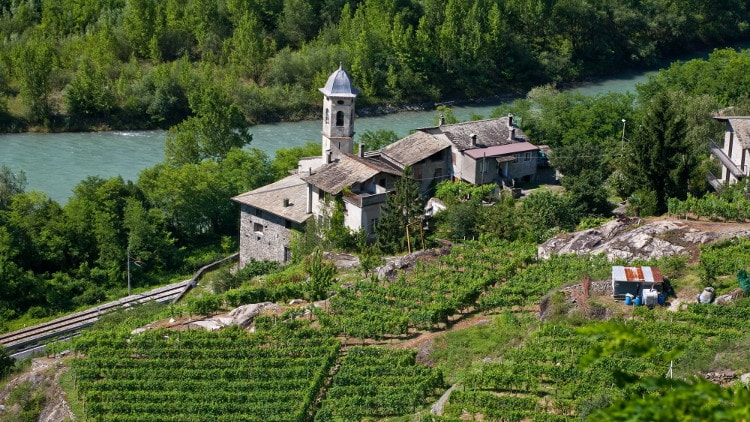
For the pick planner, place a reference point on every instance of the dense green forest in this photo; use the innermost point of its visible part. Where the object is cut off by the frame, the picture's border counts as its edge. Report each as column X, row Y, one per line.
column 78, row 64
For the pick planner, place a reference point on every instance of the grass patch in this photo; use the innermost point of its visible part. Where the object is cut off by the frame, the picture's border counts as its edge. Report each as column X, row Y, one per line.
column 456, row 351
column 68, row 385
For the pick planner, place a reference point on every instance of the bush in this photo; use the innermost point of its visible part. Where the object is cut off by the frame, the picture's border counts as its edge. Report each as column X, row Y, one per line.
column 6, row 363
column 204, row 305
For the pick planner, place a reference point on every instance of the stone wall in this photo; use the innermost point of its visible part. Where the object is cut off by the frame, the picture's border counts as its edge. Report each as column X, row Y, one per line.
column 270, row 243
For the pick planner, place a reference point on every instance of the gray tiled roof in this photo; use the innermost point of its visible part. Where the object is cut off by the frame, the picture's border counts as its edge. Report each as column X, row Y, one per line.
column 741, row 126
column 271, row 198
column 347, row 171
column 489, row 132
column 414, row 148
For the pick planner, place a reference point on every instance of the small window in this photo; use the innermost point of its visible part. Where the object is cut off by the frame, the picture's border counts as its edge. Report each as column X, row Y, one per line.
column 515, row 158
column 340, row 118
column 382, row 182
column 328, row 117
column 418, row 173
column 258, row 228
column 527, row 157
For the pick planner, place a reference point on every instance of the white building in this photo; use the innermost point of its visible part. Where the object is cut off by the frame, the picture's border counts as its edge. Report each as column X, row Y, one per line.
column 734, row 154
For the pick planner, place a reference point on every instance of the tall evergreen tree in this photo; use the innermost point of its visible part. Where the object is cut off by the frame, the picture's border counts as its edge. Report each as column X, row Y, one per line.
column 403, row 207
column 660, row 157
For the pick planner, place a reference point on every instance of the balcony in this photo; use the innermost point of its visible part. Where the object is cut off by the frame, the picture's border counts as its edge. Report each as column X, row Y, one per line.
column 364, row 199
column 726, row 161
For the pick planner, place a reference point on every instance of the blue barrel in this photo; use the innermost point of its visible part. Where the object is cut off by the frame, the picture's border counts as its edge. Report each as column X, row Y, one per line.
column 628, row 300
column 638, row 301
column 660, row 299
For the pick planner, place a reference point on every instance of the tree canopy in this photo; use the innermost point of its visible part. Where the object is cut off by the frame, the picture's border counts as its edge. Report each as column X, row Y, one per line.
column 133, row 63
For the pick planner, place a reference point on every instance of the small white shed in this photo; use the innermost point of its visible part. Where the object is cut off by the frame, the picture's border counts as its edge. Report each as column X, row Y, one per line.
column 635, row 280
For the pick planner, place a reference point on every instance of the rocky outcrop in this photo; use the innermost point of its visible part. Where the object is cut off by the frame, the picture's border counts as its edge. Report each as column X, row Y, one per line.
column 634, row 239
column 242, row 316
column 393, row 265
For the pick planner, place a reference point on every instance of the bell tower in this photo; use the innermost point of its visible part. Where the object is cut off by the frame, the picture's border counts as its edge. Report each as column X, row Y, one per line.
column 338, row 115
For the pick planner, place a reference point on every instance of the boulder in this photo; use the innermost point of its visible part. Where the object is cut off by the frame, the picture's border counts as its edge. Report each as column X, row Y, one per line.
column 243, row 315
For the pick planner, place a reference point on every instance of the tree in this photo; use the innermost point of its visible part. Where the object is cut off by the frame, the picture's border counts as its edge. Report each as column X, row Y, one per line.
column 403, row 207
column 11, row 183
column 286, row 159
column 321, row 275
column 217, row 128
column 545, row 213
column 35, row 64
column 88, row 94
column 660, row 159
column 373, row 140
column 7, row 363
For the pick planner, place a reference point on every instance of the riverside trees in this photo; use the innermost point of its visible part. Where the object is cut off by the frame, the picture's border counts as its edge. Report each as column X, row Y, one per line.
column 108, row 58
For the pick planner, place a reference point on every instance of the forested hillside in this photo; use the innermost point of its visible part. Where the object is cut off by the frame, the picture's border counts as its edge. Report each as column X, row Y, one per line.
column 81, row 64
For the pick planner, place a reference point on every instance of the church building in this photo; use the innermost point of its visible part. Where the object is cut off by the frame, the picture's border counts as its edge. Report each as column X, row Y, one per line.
column 485, row 151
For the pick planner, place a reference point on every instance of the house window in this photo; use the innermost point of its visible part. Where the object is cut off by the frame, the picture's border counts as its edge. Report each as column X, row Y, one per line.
column 418, row 173
column 327, row 116
column 381, row 182
column 527, row 157
column 258, row 228
column 339, row 118
column 515, row 158
column 287, row 254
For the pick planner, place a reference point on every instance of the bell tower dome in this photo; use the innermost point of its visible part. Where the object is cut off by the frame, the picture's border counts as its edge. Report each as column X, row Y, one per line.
column 338, row 115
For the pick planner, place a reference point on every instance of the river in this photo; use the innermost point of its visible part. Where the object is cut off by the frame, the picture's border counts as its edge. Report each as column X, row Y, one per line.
column 56, row 163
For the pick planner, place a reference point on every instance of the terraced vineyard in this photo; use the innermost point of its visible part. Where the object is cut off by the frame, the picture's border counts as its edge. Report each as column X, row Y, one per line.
column 378, row 382
column 200, row 376
column 292, row 372
column 545, row 381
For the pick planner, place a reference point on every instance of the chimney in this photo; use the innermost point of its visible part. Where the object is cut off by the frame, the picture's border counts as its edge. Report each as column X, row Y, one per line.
column 473, row 139
column 361, row 149
column 512, row 134
column 441, row 120
column 510, row 120
column 286, row 202
column 328, row 157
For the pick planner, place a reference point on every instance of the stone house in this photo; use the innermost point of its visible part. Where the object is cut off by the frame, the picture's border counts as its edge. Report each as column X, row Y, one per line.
column 734, row 154
column 268, row 215
column 479, row 152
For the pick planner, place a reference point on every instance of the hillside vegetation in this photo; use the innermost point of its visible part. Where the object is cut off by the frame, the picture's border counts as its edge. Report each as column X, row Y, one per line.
column 75, row 64
column 591, row 358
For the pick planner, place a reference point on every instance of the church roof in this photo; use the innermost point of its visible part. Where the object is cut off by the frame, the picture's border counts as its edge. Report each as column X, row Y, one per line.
column 339, row 85
column 273, row 198
column 347, row 171
column 414, row 148
column 489, row 132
